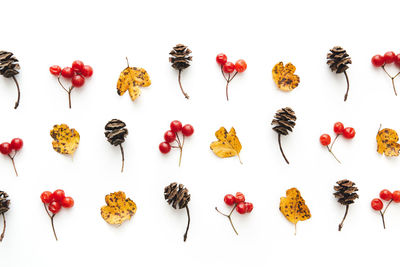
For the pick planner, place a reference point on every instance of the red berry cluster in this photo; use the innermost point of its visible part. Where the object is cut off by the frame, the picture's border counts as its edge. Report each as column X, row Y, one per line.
column 172, row 135
column 7, row 148
column 388, row 58
column 339, row 130
column 77, row 73
column 385, row 195
column 227, row 69
column 53, row 202
column 238, row 203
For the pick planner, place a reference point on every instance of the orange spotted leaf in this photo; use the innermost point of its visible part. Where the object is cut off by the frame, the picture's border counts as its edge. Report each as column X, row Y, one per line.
column 65, row 140
column 293, row 207
column 284, row 76
column 387, row 142
column 119, row 208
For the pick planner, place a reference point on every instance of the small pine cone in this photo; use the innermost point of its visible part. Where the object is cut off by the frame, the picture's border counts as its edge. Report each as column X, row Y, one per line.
column 338, row 59
column 116, row 132
column 177, row 195
column 8, row 64
column 4, row 202
column 345, row 192
column 180, row 58
column 284, row 121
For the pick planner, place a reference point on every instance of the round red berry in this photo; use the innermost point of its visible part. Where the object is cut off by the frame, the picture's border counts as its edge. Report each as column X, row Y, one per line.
column 349, row 132
column 385, row 195
column 67, row 72
column 187, row 130
column 87, row 71
column 5, row 148
column 169, row 136
column 241, row 208
column 389, row 57
column 58, row 195
column 55, row 70
column 67, row 202
column 240, row 65
column 54, row 207
column 325, row 139
column 338, row 128
column 77, row 66
column 176, row 126
column 240, row 197
column 164, row 147
column 46, row 197
column 78, row 80
column 378, row 60
column 249, row 206
column 222, row 58
column 396, row 196
column 17, row 144
column 228, row 67
column 377, row 204
column 397, row 60
column 229, row 199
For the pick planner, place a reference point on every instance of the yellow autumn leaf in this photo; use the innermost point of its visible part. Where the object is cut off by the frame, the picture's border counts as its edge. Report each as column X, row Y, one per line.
column 118, row 208
column 387, row 142
column 66, row 140
column 228, row 145
column 284, row 76
column 293, row 207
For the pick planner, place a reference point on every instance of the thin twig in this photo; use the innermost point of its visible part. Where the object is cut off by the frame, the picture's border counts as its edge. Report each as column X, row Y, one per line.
column 123, row 157
column 334, row 140
column 52, row 220
column 4, row 227
column 391, row 77
column 348, row 86
column 344, row 218
column 229, row 217
column 280, row 147
column 19, row 93
column 330, row 151
column 180, row 84
column 12, row 160
column 188, row 224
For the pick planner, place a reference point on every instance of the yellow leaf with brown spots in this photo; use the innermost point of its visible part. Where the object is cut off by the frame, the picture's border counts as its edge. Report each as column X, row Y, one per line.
column 118, row 208
column 293, row 207
column 66, row 140
column 387, row 142
column 131, row 79
column 284, row 76
column 228, row 144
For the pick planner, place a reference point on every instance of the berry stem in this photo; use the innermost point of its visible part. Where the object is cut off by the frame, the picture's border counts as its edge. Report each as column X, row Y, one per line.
column 188, row 224
column 123, row 157
column 344, row 218
column 52, row 221
column 280, row 147
column 330, row 151
column 19, row 92
column 348, row 86
column 12, row 160
column 334, row 140
column 229, row 217
column 68, row 91
column 4, row 227
column 180, row 84
column 383, row 213
column 180, row 146
column 392, row 78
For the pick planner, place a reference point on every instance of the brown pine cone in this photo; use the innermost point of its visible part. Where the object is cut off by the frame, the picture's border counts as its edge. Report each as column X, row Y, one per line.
column 180, row 58
column 338, row 59
column 284, row 121
column 177, row 195
column 9, row 68
column 116, row 132
column 345, row 192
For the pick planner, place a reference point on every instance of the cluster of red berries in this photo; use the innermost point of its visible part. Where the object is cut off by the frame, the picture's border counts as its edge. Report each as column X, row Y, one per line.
column 7, row 148
column 385, row 195
column 77, row 73
column 388, row 58
column 239, row 204
column 53, row 202
column 339, row 129
column 227, row 69
column 172, row 135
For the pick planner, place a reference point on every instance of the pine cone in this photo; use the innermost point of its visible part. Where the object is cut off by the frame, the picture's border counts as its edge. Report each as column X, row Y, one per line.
column 4, row 202
column 284, row 121
column 338, row 59
column 116, row 132
column 180, row 57
column 177, row 195
column 345, row 192
column 8, row 64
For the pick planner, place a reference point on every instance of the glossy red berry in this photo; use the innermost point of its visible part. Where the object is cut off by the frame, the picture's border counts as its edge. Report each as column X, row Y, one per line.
column 240, row 65
column 67, row 202
column 338, row 128
column 187, row 130
column 249, row 206
column 55, row 70
column 389, row 57
column 169, row 136
column 349, row 132
column 396, row 196
column 229, row 199
column 78, row 80
column 46, row 197
column 67, row 72
column 87, row 71
column 58, row 195
column 228, row 67
column 385, row 195
column 16, row 144
column 377, row 204
column 222, row 58
column 378, row 60
column 397, row 60
column 176, row 126
column 164, row 147
column 325, row 139
column 5, row 148
column 54, row 207
column 241, row 208
column 239, row 197
column 77, row 66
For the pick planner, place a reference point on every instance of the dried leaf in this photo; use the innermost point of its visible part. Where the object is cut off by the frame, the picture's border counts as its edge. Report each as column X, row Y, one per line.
column 118, row 208
column 387, row 142
column 293, row 207
column 66, row 140
column 228, row 145
column 130, row 79
column 284, row 76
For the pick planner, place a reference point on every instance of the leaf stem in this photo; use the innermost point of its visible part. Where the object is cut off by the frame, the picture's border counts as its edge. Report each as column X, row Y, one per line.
column 348, row 86
column 188, row 224
column 19, row 92
column 123, row 157
column 280, row 147
column 4, row 227
column 180, row 85
column 344, row 218
column 229, row 217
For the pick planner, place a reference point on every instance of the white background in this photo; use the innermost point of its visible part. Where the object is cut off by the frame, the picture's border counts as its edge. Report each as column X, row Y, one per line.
column 102, row 34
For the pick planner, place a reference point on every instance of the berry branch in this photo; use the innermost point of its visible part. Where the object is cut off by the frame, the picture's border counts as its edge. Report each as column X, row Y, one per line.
column 7, row 148
column 229, row 217
column 383, row 213
column 12, row 160
column 52, row 220
column 228, row 80
column 68, row 91
column 227, row 68
column 392, row 78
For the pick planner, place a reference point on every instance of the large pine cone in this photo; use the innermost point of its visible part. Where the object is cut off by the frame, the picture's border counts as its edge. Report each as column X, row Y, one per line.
column 345, row 192
column 116, row 132
column 4, row 202
column 338, row 59
column 177, row 195
column 8, row 64
column 284, row 121
column 180, row 57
